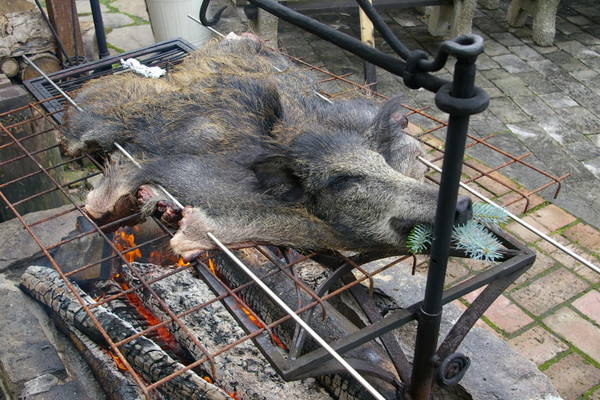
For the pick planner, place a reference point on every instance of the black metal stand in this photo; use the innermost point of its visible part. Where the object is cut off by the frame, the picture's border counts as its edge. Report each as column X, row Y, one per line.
column 99, row 29
column 460, row 99
column 444, row 365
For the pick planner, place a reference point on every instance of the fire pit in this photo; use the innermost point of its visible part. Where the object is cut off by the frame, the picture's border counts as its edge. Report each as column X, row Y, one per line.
column 132, row 304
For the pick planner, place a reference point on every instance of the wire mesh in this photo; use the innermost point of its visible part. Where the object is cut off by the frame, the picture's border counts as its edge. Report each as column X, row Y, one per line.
column 39, row 112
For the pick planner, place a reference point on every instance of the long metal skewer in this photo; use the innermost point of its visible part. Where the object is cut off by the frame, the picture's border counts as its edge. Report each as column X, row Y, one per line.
column 518, row 220
column 247, row 270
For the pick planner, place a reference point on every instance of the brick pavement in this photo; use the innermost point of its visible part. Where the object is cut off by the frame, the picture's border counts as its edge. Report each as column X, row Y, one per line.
column 551, row 314
column 545, row 100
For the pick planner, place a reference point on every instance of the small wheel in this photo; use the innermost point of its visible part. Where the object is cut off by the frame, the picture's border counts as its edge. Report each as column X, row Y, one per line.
column 452, row 369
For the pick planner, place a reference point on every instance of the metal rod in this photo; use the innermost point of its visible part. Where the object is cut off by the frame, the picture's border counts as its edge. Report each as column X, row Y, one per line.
column 50, row 81
column 518, row 220
column 208, row 27
column 298, row 320
column 99, row 28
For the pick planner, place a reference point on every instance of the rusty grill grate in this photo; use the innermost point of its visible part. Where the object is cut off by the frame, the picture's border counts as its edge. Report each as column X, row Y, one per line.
column 46, row 110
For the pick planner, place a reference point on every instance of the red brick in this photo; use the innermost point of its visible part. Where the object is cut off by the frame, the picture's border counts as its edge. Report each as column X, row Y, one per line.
column 580, row 332
column 549, row 291
column 517, row 203
column 525, row 234
column 470, row 297
column 541, row 264
column 572, row 376
column 569, row 261
column 552, row 217
column 538, row 345
column 585, row 236
column 506, row 315
column 481, row 324
column 503, row 313
column 491, row 185
column 589, row 304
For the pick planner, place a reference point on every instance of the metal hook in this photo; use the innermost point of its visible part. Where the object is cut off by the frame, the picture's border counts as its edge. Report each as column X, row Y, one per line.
column 214, row 19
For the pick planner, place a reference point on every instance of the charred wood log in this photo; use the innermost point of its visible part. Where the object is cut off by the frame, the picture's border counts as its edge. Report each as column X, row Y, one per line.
column 242, row 370
column 116, row 385
column 148, row 359
column 124, row 309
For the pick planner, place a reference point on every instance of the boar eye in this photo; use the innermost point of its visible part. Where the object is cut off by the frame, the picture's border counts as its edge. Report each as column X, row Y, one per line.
column 341, row 182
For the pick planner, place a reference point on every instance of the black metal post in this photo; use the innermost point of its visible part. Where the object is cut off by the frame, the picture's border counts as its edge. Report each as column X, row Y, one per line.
column 463, row 87
column 370, row 75
column 99, row 28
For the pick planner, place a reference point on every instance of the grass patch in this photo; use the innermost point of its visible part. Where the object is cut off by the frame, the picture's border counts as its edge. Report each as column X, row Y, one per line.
column 115, row 48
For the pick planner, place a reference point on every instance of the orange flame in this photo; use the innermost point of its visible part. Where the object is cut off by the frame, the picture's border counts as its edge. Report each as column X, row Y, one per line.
column 154, row 257
column 233, row 395
column 182, row 263
column 124, row 241
column 260, row 325
column 211, row 266
column 118, row 362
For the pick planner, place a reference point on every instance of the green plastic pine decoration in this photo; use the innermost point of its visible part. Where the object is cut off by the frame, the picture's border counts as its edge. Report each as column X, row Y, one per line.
column 476, row 241
column 473, row 237
column 419, row 238
column 488, row 214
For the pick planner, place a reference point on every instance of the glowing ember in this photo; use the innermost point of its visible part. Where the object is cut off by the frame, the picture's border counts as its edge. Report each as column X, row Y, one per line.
column 120, row 365
column 155, row 257
column 256, row 322
column 162, row 332
column 207, row 379
column 124, row 241
column 211, row 266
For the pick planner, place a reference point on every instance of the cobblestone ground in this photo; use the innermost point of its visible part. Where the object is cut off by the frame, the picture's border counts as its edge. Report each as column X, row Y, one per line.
column 545, row 101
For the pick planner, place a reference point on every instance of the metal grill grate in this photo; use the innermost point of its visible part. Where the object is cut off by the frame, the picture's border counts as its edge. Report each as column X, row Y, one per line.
column 163, row 54
column 49, row 109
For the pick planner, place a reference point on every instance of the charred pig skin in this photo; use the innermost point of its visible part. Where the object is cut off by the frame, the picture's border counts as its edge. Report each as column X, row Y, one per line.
column 256, row 155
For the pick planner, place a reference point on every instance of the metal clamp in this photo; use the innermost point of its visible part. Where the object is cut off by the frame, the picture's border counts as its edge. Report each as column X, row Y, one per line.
column 461, row 106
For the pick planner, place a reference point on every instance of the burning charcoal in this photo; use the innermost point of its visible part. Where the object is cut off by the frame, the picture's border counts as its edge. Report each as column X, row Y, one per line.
column 242, row 370
column 256, row 155
column 46, row 286
column 182, row 291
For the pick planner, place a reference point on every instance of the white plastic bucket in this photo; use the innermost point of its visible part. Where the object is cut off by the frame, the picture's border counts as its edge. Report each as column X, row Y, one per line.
column 169, row 20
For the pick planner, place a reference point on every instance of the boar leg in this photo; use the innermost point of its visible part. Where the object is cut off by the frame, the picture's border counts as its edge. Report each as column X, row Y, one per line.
column 268, row 223
column 154, row 202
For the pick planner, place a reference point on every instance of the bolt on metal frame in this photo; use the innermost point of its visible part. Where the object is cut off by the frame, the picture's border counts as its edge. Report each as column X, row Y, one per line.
column 517, row 257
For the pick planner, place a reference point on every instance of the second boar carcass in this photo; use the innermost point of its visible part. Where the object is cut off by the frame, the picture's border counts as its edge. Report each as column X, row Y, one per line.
column 255, row 155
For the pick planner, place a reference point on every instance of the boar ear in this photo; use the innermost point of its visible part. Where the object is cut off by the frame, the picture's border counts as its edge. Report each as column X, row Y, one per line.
column 388, row 124
column 276, row 178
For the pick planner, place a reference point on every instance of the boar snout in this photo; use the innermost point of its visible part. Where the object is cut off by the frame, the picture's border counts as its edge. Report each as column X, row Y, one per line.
column 464, row 210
